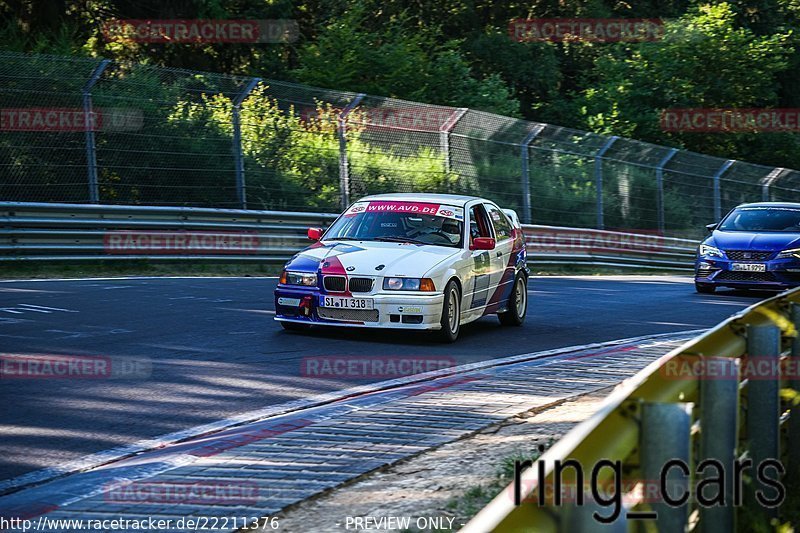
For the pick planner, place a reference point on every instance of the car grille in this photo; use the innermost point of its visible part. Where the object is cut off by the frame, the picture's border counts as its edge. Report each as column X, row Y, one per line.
column 334, row 283
column 747, row 255
column 730, row 275
column 360, row 284
column 349, row 315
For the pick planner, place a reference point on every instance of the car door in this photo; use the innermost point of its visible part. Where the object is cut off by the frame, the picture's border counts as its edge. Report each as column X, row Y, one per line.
column 502, row 275
column 478, row 283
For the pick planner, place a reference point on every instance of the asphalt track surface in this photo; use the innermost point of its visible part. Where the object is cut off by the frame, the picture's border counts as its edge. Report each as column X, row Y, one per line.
column 208, row 349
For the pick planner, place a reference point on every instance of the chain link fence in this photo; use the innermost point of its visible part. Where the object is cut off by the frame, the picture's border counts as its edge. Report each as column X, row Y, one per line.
column 96, row 131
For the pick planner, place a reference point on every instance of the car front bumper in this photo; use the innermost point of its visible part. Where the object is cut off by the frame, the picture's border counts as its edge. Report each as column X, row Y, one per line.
column 779, row 273
column 402, row 310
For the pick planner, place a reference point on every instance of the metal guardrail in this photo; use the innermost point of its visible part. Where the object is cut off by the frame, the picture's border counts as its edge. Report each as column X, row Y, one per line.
column 91, row 232
column 728, row 408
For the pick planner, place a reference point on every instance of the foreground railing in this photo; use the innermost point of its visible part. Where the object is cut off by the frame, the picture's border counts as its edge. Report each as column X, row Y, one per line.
column 90, row 232
column 699, row 440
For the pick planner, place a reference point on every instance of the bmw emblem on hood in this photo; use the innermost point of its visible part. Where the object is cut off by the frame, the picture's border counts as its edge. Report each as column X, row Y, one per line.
column 350, row 268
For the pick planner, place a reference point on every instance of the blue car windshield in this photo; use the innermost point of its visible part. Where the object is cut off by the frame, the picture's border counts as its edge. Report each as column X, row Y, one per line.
column 762, row 219
column 362, row 222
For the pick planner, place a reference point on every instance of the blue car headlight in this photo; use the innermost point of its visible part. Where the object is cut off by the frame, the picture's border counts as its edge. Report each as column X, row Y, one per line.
column 793, row 252
column 709, row 251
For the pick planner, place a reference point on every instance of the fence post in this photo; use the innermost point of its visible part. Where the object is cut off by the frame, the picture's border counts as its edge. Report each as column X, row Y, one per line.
column 238, row 155
column 768, row 180
column 665, row 437
column 444, row 139
column 793, row 468
column 89, row 123
column 344, row 166
column 598, row 179
column 763, row 407
column 717, row 193
column 719, row 432
column 527, row 212
column 660, row 188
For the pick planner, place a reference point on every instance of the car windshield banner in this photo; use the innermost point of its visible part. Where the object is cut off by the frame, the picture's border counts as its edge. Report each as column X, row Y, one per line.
column 416, row 208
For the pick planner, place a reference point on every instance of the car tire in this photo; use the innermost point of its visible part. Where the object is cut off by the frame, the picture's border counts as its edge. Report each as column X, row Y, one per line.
column 451, row 313
column 294, row 326
column 704, row 288
column 517, row 303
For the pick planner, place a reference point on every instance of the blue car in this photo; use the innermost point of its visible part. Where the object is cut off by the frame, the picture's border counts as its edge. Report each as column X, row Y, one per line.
column 756, row 246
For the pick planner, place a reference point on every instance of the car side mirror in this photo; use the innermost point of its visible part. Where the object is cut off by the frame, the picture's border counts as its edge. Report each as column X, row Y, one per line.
column 482, row 243
column 712, row 227
column 315, row 234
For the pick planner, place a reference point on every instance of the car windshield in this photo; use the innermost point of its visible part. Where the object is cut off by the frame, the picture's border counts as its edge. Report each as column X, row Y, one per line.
column 762, row 219
column 413, row 222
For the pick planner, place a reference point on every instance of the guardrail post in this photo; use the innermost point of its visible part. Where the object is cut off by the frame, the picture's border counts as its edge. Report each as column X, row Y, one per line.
column 763, row 406
column 598, row 179
column 719, row 433
column 660, row 188
column 768, row 180
column 89, row 124
column 793, row 466
column 444, row 139
column 344, row 165
column 717, row 192
column 527, row 213
column 665, row 437
column 241, row 190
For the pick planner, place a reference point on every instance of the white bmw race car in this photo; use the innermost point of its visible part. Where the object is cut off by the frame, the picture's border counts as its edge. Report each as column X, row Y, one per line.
column 409, row 261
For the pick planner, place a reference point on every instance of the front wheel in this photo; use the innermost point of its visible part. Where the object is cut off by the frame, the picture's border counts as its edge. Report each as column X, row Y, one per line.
column 451, row 313
column 704, row 288
column 517, row 304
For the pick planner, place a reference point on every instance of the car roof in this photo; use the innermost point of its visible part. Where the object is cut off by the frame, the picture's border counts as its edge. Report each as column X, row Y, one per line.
column 448, row 199
column 771, row 204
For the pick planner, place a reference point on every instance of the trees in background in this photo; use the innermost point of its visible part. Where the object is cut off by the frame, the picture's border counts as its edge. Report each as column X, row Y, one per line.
column 741, row 53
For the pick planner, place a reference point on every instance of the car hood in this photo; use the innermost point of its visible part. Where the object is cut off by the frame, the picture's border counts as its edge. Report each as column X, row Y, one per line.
column 745, row 240
column 365, row 258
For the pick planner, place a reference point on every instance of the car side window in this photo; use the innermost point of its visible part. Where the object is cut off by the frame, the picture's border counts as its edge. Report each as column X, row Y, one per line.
column 478, row 223
column 502, row 227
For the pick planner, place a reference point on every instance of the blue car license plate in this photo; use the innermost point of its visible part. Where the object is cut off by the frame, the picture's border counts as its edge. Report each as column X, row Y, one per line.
column 749, row 267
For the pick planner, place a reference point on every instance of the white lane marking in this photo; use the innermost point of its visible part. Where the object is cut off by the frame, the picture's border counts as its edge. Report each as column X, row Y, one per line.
column 94, row 460
column 21, row 308
column 49, row 308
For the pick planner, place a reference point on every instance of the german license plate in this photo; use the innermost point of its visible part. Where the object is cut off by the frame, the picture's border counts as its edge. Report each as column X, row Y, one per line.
column 749, row 267
column 341, row 302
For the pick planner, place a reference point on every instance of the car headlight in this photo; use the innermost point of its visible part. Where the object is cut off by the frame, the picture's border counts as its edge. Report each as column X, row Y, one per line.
column 709, row 251
column 408, row 284
column 298, row 278
column 793, row 252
